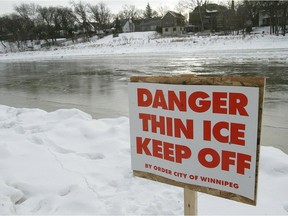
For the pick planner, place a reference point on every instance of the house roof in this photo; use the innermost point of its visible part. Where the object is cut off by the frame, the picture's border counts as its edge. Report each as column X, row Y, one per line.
column 151, row 21
column 211, row 11
column 177, row 15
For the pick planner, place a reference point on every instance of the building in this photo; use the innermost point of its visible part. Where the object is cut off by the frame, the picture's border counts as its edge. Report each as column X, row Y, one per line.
column 150, row 24
column 173, row 23
column 213, row 18
column 128, row 26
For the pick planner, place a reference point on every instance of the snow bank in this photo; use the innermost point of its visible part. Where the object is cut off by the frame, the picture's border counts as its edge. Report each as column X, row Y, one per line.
column 65, row 162
column 152, row 42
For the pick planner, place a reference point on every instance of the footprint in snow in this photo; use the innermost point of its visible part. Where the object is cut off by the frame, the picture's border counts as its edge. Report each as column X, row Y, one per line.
column 92, row 156
column 286, row 208
column 66, row 191
column 36, row 140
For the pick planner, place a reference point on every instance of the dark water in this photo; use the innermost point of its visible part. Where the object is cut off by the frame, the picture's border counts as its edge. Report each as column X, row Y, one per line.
column 98, row 85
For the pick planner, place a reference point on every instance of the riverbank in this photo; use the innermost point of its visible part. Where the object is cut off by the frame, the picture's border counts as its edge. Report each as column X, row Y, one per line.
column 66, row 162
column 152, row 42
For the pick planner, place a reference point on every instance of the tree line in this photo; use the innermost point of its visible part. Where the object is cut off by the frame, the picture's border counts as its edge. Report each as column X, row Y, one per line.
column 35, row 22
column 274, row 13
column 239, row 16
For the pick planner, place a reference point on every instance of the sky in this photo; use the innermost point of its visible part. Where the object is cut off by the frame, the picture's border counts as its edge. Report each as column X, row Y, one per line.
column 7, row 6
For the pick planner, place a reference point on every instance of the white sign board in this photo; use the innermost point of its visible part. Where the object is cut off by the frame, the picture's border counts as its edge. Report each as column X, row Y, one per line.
column 195, row 134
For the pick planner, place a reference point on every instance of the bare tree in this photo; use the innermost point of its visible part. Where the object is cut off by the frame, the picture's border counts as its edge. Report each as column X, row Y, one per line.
column 284, row 20
column 130, row 12
column 162, row 10
column 49, row 20
column 67, row 19
column 81, row 10
column 268, row 7
column 15, row 28
column 101, row 14
column 198, row 5
column 46, row 15
column 3, row 31
column 28, row 13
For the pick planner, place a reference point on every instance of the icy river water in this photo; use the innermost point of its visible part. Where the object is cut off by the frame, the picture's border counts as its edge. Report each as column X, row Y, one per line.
column 98, row 85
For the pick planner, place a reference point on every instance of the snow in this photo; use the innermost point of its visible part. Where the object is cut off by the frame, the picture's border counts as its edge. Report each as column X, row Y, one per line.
column 65, row 162
column 152, row 42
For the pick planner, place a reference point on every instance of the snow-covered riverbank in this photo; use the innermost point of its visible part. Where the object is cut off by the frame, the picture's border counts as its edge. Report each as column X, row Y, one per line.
column 151, row 42
column 65, row 162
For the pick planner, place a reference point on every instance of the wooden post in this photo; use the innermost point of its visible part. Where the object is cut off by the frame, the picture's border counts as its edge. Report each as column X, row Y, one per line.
column 190, row 202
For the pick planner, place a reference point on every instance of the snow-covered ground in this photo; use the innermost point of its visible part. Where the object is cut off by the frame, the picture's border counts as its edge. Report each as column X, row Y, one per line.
column 65, row 162
column 152, row 42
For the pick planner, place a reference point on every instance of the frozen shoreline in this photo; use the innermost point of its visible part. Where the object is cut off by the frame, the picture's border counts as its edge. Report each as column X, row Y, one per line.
column 66, row 162
column 152, row 43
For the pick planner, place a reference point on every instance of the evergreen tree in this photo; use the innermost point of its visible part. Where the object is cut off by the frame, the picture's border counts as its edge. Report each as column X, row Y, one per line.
column 148, row 12
column 117, row 26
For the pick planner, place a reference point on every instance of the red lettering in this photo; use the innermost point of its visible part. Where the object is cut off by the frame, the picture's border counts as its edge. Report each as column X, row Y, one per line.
column 225, row 132
column 180, row 101
column 163, row 150
column 219, row 102
column 207, row 130
column 158, row 124
column 142, row 145
column 237, row 103
column 226, row 159
column 209, row 164
column 203, row 105
column 187, row 129
column 157, row 148
column 145, row 119
column 159, row 100
column 242, row 160
column 217, row 132
column 237, row 132
column 144, row 97
column 168, row 151
column 198, row 101
column 182, row 152
column 169, row 126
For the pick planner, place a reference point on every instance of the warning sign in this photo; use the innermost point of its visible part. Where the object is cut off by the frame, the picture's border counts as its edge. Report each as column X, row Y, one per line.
column 200, row 135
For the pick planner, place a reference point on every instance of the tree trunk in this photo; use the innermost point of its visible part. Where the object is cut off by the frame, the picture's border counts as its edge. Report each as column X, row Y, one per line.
column 3, row 44
column 284, row 19
column 201, row 18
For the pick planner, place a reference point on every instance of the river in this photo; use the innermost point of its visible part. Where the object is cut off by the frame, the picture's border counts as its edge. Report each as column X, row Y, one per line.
column 98, row 84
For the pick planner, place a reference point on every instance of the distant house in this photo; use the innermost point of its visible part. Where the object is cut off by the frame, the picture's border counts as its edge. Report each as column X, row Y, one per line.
column 173, row 23
column 150, row 24
column 264, row 18
column 128, row 26
column 213, row 17
column 211, row 20
column 277, row 19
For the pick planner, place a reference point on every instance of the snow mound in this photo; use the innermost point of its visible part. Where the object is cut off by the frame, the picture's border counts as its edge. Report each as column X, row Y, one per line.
column 65, row 162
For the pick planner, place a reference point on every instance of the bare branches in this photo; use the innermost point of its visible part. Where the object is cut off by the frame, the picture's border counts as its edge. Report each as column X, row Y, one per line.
column 101, row 14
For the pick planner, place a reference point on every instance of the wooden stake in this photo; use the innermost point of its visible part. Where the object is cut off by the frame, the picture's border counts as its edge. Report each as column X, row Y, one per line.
column 190, row 202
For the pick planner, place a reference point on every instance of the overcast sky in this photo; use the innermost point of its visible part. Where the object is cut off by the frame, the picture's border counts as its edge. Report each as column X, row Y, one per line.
column 7, row 6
